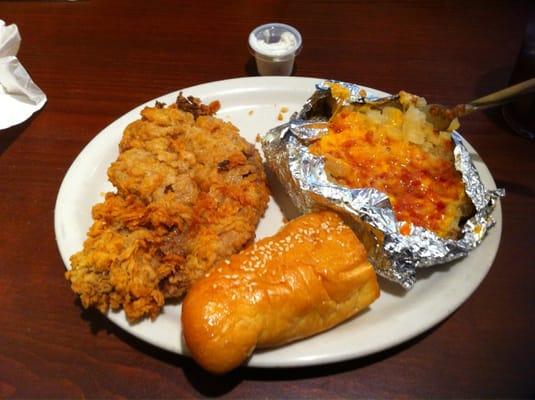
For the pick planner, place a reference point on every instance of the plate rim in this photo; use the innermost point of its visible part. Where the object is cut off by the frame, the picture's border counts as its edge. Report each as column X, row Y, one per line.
column 259, row 360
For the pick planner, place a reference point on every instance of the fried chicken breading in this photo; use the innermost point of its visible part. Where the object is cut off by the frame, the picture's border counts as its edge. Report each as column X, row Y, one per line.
column 190, row 192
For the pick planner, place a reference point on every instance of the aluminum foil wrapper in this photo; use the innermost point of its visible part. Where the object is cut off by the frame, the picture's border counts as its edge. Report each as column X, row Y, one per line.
column 368, row 211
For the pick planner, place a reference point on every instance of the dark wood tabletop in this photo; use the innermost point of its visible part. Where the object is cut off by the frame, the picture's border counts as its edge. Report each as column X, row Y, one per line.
column 98, row 59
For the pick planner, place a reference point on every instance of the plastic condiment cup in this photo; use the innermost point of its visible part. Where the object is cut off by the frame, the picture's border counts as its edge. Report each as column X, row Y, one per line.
column 274, row 52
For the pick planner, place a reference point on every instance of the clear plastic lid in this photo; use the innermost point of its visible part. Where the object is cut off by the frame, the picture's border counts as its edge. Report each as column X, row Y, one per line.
column 275, row 41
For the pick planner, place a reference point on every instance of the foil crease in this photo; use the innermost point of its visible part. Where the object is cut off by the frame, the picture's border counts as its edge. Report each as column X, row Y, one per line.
column 368, row 211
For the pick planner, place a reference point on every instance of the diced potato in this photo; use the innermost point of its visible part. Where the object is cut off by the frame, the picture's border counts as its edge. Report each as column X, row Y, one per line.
column 375, row 116
column 394, row 116
column 338, row 168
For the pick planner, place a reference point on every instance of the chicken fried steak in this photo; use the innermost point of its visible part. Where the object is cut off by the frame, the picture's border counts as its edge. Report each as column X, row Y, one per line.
column 190, row 192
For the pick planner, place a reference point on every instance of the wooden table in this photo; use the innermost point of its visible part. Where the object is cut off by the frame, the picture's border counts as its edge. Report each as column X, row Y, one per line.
column 97, row 59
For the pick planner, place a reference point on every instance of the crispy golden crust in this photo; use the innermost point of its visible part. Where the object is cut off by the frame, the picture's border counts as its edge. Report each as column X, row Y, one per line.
column 312, row 275
column 190, row 192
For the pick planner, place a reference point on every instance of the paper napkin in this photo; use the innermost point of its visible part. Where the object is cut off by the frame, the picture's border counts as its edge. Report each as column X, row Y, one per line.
column 20, row 97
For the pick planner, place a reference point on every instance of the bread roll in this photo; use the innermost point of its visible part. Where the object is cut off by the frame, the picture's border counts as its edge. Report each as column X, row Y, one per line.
column 312, row 275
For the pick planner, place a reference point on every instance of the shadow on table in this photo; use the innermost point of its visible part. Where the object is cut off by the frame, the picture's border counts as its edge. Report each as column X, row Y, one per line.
column 250, row 67
column 9, row 135
column 213, row 385
column 515, row 188
column 489, row 82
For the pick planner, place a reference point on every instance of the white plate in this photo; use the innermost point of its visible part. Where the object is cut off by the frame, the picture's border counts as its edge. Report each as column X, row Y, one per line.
column 253, row 105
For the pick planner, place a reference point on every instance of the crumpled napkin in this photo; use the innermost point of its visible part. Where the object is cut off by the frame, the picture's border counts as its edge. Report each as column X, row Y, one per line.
column 20, row 97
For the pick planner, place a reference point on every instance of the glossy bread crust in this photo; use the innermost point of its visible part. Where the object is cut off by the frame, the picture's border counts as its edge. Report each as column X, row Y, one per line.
column 312, row 275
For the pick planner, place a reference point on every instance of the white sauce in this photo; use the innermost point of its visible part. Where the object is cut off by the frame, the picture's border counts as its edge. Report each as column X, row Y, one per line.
column 286, row 43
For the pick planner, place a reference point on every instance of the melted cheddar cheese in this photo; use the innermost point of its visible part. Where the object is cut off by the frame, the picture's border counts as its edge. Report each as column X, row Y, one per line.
column 399, row 153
